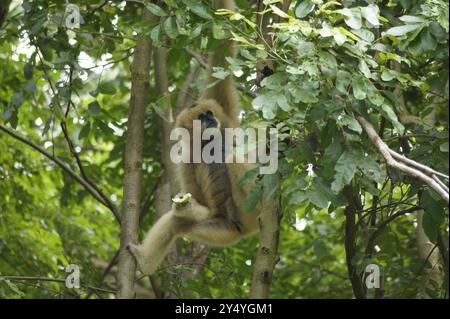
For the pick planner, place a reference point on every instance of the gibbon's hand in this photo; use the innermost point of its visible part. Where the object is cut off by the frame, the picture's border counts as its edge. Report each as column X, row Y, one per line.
column 182, row 201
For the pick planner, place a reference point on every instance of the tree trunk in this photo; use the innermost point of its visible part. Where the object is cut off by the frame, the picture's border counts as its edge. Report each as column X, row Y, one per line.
column 133, row 164
column 267, row 255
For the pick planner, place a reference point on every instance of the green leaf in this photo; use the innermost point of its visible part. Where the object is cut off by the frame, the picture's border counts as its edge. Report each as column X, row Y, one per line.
column 364, row 69
column 392, row 117
column 328, row 64
column 218, row 31
column 248, row 177
column 28, row 71
column 412, row 19
column 170, row 28
column 433, row 208
column 282, row 102
column 370, row 168
column 94, row 108
column 304, row 8
column 220, row 73
column 352, row 17
column 271, row 185
column 197, row 8
column 351, row 123
column 370, row 13
column 321, row 195
column 156, row 36
column 429, row 226
column 320, row 249
column 279, row 12
column 156, row 10
column 345, row 169
column 253, row 198
column 402, row 30
column 359, row 89
column 427, row 41
column 107, row 88
column 444, row 147
column 30, row 87
column 84, row 132
column 388, row 75
column 343, row 80
column 304, row 95
column 17, row 99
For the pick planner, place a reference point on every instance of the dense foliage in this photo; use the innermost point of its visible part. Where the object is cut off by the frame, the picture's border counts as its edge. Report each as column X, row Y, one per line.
column 334, row 60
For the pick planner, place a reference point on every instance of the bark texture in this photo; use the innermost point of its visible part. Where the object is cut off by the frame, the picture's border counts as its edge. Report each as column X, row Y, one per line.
column 133, row 164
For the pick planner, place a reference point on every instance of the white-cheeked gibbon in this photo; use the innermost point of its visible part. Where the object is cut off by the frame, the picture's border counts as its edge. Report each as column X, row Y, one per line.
column 215, row 214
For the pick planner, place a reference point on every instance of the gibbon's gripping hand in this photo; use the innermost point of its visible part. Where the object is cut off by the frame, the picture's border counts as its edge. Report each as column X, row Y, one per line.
column 185, row 206
column 182, row 201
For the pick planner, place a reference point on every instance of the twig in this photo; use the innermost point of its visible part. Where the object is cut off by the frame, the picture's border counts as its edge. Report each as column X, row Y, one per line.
column 198, row 57
column 384, row 223
column 108, row 268
column 107, row 201
column 155, row 287
column 32, row 278
column 184, row 96
column 336, row 274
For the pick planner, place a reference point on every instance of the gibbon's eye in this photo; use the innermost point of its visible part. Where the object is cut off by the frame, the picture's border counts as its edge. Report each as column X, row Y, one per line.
column 209, row 114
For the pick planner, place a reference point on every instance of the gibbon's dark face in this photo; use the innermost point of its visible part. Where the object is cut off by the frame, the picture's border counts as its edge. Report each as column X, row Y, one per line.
column 209, row 112
column 208, row 120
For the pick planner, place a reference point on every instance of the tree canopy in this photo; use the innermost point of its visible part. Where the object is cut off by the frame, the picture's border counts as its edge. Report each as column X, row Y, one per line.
column 357, row 89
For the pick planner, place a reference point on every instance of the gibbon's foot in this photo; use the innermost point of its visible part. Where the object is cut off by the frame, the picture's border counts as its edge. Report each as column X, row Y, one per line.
column 134, row 250
column 141, row 260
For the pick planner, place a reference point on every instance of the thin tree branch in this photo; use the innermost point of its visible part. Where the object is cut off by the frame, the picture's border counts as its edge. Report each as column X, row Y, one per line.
column 198, row 57
column 336, row 274
column 74, row 153
column 185, row 95
column 31, row 278
column 386, row 152
column 61, row 164
column 384, row 223
column 108, row 268
column 440, row 182
column 422, row 167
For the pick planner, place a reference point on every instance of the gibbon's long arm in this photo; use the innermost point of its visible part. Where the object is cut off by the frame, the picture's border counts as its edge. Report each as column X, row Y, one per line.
column 224, row 92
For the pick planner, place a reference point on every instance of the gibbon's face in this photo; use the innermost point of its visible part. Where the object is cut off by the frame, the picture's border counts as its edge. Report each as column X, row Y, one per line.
column 208, row 112
column 208, row 120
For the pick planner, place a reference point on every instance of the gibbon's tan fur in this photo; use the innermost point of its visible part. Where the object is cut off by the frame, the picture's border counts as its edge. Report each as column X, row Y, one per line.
column 215, row 214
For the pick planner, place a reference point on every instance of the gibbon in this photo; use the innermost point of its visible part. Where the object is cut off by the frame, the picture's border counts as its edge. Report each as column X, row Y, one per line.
column 215, row 213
